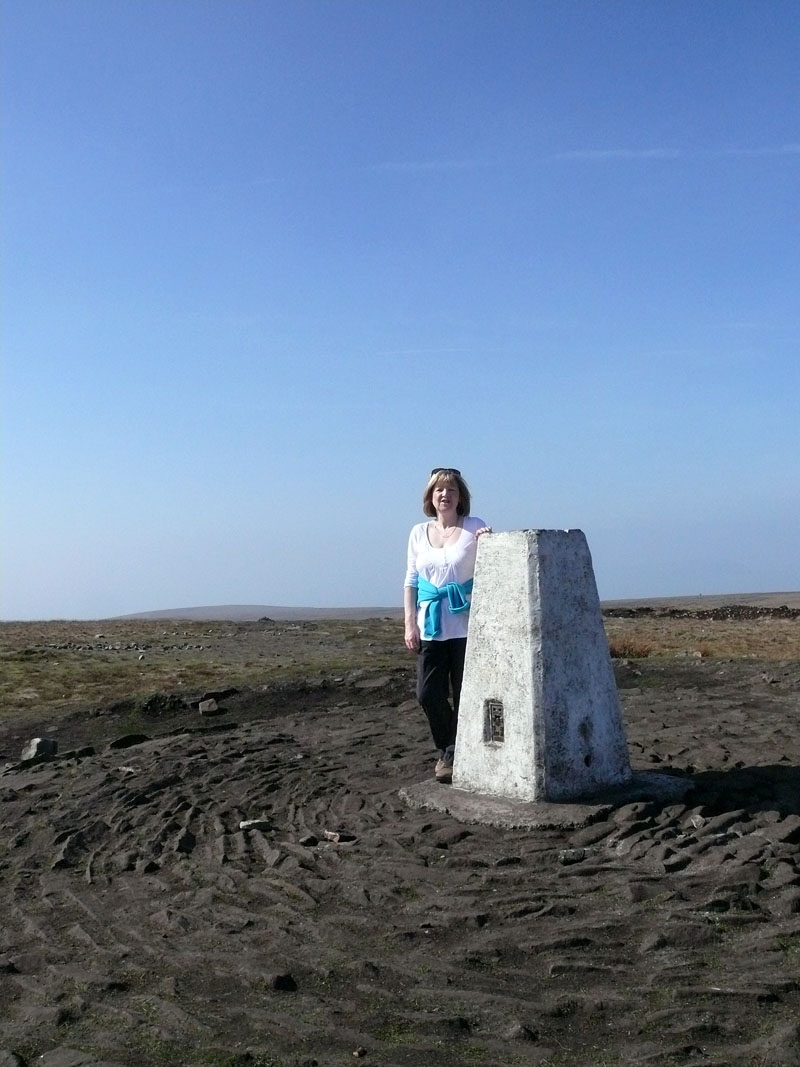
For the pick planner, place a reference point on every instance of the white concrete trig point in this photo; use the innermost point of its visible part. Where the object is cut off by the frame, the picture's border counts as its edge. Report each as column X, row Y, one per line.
column 539, row 716
column 540, row 734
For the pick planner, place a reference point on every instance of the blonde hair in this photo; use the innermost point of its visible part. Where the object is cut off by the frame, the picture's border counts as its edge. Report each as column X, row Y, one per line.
column 446, row 476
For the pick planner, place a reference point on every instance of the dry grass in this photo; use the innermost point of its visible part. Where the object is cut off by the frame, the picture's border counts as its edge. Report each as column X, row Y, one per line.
column 58, row 666
column 628, row 647
column 757, row 639
column 62, row 665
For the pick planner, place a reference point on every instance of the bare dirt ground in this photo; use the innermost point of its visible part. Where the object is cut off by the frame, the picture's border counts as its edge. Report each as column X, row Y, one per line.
column 142, row 923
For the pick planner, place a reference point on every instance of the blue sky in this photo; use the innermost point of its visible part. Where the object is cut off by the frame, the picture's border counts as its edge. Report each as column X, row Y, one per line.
column 267, row 263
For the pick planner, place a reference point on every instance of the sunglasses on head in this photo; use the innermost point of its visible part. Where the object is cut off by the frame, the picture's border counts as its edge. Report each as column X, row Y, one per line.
column 445, row 470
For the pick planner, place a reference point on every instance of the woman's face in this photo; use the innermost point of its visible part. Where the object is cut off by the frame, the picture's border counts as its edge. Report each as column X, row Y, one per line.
column 445, row 497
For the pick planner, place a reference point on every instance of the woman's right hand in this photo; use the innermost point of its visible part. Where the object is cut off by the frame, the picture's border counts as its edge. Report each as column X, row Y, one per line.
column 412, row 637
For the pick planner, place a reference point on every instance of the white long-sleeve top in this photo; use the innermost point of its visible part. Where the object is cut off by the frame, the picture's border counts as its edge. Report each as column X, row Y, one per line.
column 454, row 563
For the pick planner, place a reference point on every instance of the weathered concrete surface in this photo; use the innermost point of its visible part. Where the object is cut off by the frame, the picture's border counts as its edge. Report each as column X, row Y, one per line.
column 539, row 717
column 511, row 814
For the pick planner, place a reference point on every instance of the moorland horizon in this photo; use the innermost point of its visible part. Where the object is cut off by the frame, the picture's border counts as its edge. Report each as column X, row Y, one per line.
column 300, row 613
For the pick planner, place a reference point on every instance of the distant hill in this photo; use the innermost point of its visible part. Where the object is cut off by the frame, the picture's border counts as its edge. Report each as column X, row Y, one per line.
column 254, row 612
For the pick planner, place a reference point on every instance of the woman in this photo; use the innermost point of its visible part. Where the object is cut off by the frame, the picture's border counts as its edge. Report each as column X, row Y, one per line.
column 441, row 563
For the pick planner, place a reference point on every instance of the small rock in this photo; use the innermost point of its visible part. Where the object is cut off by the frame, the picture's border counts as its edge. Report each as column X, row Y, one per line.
column 39, row 747
column 208, row 707
column 255, row 824
column 309, row 840
column 282, row 983
column 359, row 1052
column 338, row 836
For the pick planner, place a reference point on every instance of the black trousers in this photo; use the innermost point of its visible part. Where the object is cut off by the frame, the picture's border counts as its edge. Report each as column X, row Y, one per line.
column 440, row 668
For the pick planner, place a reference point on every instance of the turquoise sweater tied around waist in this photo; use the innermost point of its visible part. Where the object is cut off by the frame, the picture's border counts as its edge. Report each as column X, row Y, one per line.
column 432, row 595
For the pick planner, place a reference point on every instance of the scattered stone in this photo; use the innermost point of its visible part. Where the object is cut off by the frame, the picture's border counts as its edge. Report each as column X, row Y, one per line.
column 721, row 614
column 40, row 748
column 338, row 836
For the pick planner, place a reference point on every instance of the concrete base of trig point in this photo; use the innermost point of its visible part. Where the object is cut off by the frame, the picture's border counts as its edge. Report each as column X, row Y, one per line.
column 540, row 734
column 488, row 810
